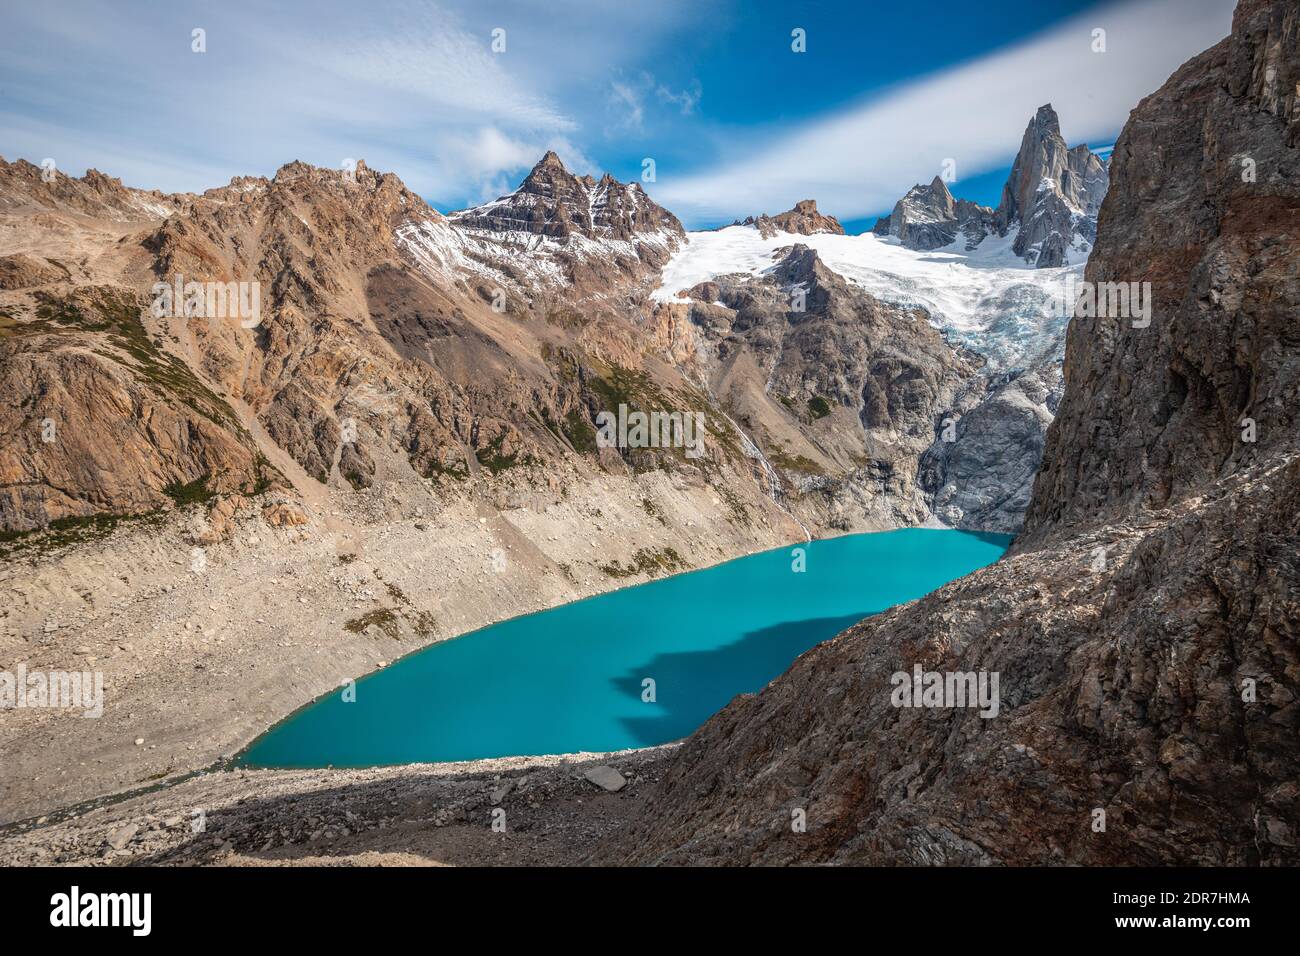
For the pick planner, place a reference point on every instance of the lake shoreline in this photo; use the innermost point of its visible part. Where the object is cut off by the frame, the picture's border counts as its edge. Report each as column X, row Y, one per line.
column 632, row 667
column 198, row 665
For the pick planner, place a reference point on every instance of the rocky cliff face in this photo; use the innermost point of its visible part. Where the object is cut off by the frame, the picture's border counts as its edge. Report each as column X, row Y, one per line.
column 980, row 471
column 1146, row 631
column 1051, row 199
column 1208, row 217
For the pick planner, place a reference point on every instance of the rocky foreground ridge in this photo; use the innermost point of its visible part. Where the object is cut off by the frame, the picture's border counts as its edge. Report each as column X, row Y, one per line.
column 1145, row 628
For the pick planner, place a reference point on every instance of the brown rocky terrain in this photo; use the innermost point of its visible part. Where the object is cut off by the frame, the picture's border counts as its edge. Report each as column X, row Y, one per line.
column 1145, row 627
column 166, row 474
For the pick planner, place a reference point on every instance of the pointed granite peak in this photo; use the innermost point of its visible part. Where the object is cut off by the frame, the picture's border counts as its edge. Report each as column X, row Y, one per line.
column 940, row 189
column 1053, row 195
column 552, row 201
column 1047, row 120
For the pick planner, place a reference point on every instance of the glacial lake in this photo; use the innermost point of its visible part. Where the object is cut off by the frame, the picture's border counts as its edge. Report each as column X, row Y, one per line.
column 572, row 678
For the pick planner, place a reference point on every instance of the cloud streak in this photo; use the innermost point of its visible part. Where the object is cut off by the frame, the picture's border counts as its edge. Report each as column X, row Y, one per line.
column 859, row 161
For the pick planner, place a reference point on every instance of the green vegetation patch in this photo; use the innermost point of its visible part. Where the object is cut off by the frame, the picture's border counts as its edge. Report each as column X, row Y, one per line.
column 652, row 562
column 190, row 493
column 381, row 617
column 799, row 463
column 491, row 458
column 580, row 432
column 818, row 407
column 75, row 529
column 653, row 510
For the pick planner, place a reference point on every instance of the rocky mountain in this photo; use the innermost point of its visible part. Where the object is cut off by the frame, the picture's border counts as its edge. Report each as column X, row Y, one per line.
column 1050, row 201
column 452, row 354
column 928, row 217
column 31, row 187
column 983, row 435
column 1146, row 628
column 464, row 355
column 406, row 409
column 1053, row 194
column 581, row 231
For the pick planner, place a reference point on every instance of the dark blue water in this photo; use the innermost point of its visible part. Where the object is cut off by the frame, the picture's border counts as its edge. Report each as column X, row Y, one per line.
column 572, row 678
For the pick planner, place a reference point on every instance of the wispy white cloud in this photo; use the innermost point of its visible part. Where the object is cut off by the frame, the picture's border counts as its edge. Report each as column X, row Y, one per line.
column 686, row 100
column 627, row 100
column 861, row 160
column 628, row 106
column 414, row 87
column 480, row 159
column 449, row 70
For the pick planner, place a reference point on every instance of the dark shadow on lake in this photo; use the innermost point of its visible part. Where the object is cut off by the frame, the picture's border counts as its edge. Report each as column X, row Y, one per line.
column 692, row 686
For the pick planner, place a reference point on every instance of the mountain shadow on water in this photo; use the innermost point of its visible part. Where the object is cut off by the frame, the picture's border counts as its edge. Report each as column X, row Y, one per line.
column 691, row 686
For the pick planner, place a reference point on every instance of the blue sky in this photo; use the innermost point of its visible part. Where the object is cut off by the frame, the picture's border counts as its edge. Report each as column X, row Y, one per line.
column 735, row 120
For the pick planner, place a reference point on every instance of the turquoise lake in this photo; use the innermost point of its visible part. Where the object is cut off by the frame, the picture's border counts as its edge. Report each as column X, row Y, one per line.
column 571, row 678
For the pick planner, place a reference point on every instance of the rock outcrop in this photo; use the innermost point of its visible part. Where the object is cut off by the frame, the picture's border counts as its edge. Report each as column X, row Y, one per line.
column 980, row 472
column 803, row 219
column 1146, row 629
column 105, row 421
